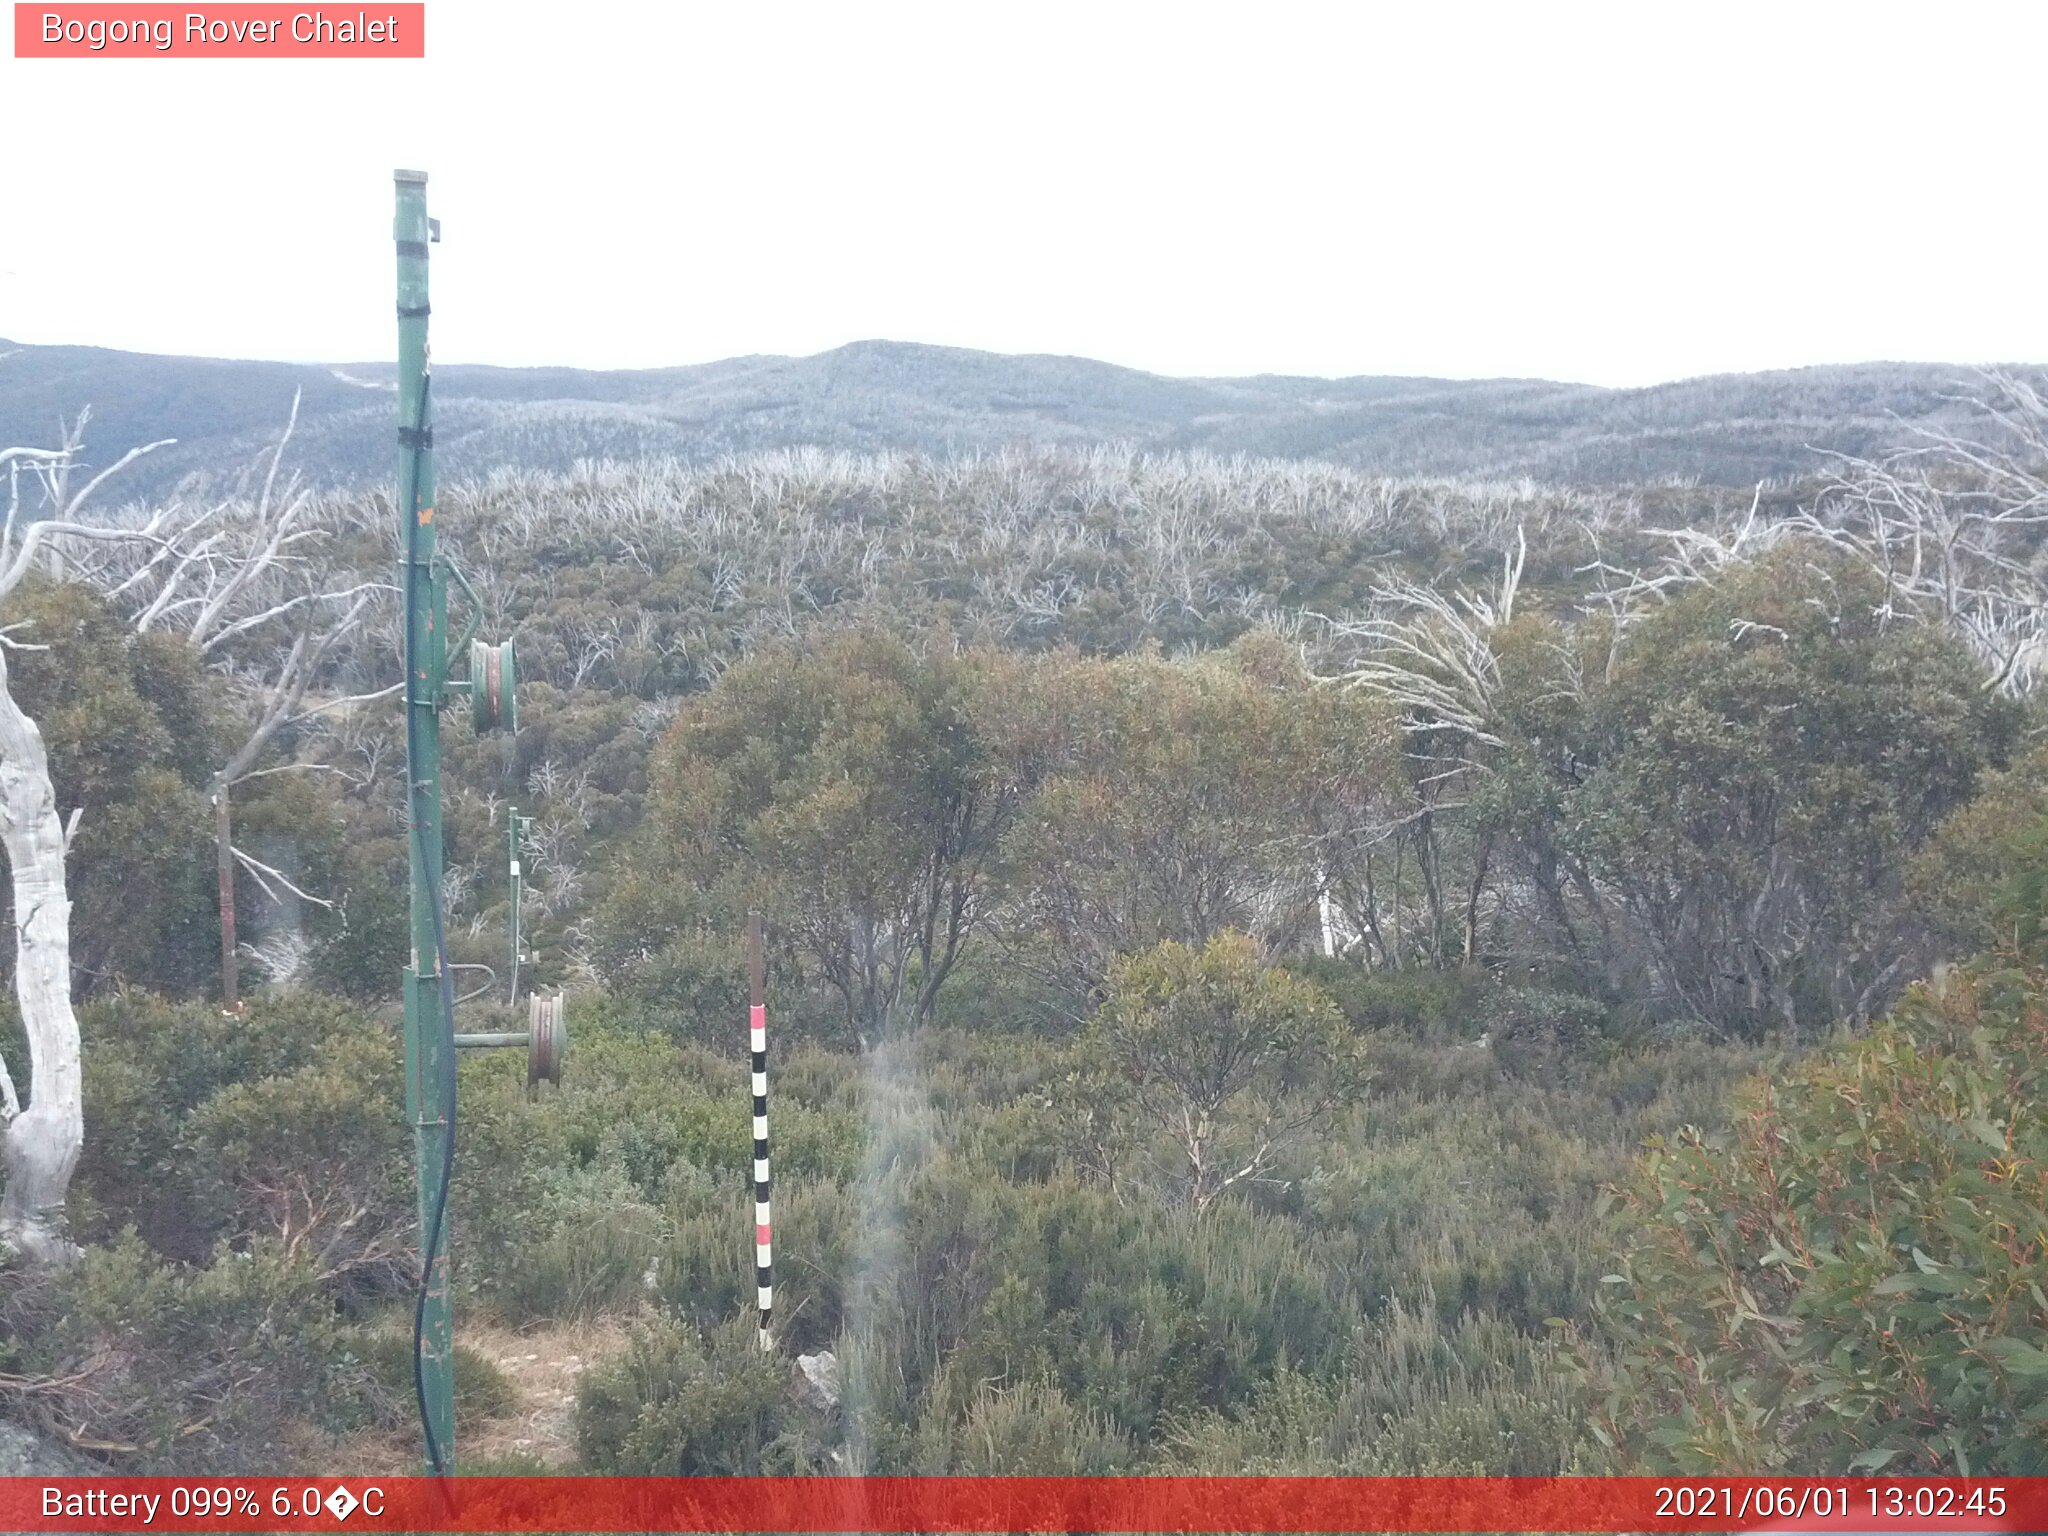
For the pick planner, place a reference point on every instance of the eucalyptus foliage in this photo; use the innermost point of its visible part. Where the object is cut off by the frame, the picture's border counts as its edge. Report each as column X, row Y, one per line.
column 1852, row 1279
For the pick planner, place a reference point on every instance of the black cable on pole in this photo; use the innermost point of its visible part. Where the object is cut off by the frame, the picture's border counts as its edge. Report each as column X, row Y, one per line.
column 415, row 442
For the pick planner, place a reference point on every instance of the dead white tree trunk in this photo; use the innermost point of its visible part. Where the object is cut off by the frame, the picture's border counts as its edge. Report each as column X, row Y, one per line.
column 42, row 1142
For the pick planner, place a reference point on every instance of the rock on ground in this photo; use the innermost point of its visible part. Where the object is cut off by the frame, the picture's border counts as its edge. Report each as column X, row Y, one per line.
column 24, row 1453
column 817, row 1380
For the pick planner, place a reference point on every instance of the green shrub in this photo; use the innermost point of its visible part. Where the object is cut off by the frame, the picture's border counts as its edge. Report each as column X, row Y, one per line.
column 482, row 1391
column 1969, row 883
column 991, row 1304
column 1417, row 1397
column 126, row 720
column 816, row 1078
column 366, row 943
column 706, row 1272
column 1551, row 1036
column 1011, row 990
column 1433, row 1006
column 1023, row 1141
column 318, row 1158
column 584, row 1246
column 1853, row 1280
column 1137, row 1312
column 1028, row 1430
column 687, row 982
column 1203, row 1063
column 178, row 1368
column 286, row 1119
column 677, row 1404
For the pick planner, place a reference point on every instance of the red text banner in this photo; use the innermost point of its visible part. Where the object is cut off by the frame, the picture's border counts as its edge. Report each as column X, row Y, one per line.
column 229, row 31
column 1024, row 1504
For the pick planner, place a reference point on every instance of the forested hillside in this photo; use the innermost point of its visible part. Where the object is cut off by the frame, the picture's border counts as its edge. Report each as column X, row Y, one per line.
column 877, row 396
column 1274, row 966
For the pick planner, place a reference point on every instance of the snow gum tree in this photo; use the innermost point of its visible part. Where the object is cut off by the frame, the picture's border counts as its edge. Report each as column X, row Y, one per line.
column 40, row 1145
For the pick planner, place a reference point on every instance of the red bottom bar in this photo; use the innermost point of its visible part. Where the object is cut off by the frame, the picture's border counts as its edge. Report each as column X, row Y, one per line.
column 1024, row 1504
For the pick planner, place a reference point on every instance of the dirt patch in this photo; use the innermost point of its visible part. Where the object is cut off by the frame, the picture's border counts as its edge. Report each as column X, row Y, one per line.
column 365, row 1453
column 544, row 1365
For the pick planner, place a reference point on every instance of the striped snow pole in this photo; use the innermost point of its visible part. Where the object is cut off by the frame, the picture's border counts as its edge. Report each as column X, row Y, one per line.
column 757, row 1029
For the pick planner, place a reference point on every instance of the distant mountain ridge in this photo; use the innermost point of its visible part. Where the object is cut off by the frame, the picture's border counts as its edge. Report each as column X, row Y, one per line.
column 1730, row 429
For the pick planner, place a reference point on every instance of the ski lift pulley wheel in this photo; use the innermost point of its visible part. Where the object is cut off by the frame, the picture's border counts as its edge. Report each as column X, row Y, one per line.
column 493, row 686
column 547, row 1038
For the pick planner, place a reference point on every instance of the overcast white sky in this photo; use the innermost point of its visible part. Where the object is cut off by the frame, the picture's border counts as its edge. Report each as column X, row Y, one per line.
column 1618, row 194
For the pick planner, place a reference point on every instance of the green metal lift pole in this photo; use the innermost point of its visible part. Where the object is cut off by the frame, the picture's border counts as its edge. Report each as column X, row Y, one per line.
column 429, row 1065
